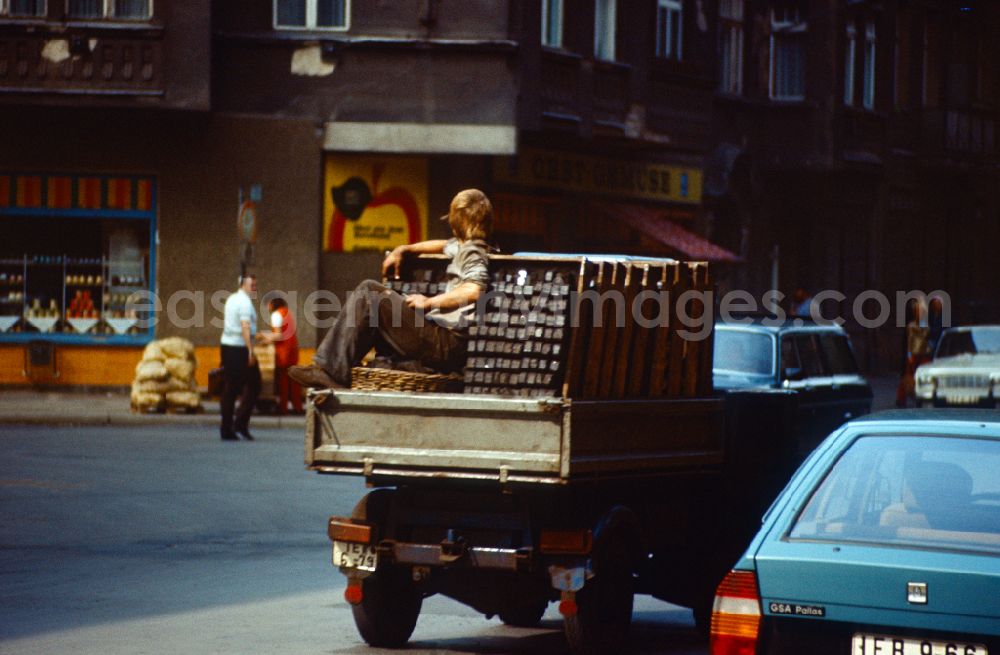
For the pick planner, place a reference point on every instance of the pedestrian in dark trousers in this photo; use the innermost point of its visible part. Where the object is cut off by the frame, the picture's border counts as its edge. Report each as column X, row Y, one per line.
column 240, row 371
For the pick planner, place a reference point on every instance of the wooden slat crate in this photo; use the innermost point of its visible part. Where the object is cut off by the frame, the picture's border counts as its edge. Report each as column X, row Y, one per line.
column 564, row 326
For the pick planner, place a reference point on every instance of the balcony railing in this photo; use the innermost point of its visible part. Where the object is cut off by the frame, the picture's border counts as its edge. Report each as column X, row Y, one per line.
column 860, row 130
column 41, row 64
column 611, row 94
column 961, row 133
column 560, row 85
column 972, row 132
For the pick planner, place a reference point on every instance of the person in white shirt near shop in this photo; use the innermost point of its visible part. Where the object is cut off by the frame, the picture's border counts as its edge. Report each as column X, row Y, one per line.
column 240, row 371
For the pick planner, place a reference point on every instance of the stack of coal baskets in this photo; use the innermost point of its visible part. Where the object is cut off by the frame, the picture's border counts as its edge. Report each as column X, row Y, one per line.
column 551, row 327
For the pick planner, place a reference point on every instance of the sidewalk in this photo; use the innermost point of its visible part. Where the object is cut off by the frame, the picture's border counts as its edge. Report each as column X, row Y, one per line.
column 111, row 408
column 25, row 406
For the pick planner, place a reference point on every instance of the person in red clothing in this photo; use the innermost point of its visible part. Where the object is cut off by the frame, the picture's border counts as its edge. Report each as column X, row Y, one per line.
column 286, row 353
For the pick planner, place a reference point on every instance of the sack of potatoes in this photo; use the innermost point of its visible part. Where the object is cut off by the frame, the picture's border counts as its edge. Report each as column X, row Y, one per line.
column 165, row 378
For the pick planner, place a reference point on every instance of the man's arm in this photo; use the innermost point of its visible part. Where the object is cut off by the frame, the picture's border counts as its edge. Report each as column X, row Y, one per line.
column 464, row 294
column 395, row 258
column 245, row 326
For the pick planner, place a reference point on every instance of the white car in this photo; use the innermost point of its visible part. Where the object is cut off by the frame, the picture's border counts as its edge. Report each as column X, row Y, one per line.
column 965, row 369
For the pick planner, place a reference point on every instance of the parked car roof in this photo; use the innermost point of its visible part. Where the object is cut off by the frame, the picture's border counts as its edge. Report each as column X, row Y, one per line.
column 770, row 323
column 929, row 417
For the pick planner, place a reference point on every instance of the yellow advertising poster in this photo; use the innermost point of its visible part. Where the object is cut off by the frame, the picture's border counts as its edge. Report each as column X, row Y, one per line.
column 373, row 203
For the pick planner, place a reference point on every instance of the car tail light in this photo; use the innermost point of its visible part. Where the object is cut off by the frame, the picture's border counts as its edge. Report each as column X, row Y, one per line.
column 736, row 615
column 344, row 530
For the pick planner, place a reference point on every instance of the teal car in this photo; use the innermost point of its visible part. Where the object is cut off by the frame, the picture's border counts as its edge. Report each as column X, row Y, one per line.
column 886, row 541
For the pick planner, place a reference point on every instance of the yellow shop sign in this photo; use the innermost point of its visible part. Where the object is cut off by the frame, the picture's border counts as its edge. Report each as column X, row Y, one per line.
column 600, row 176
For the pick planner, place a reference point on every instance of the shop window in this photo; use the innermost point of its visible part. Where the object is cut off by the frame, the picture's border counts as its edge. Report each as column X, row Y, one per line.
column 311, row 14
column 868, row 100
column 110, row 9
column 552, row 23
column 788, row 52
column 22, row 8
column 669, row 28
column 731, row 46
column 605, row 25
column 77, row 260
column 849, row 59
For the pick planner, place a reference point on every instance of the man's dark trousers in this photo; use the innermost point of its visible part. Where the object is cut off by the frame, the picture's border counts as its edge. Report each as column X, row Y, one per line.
column 375, row 316
column 241, row 380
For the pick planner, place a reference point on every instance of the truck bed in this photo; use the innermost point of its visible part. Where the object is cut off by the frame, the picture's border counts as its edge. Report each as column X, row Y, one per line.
column 400, row 436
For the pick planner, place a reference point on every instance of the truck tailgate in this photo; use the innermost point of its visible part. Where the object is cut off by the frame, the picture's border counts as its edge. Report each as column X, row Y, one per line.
column 465, row 436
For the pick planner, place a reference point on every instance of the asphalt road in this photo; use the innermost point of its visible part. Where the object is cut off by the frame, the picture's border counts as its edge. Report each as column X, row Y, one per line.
column 167, row 540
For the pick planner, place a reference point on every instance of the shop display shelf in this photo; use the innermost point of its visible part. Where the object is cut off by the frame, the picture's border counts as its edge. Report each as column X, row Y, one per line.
column 7, row 322
column 103, row 319
column 42, row 324
column 121, row 325
column 83, row 325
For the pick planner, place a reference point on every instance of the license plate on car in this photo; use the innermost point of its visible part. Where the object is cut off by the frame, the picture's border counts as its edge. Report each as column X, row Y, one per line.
column 354, row 556
column 869, row 644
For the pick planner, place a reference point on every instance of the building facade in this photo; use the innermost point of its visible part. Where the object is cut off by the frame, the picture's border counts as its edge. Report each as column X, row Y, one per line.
column 855, row 150
column 162, row 148
column 300, row 140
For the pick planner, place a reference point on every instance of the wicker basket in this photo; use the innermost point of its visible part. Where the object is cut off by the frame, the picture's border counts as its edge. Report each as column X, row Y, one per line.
column 385, row 379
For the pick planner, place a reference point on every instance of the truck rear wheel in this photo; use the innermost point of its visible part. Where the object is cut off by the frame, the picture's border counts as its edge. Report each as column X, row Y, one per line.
column 387, row 613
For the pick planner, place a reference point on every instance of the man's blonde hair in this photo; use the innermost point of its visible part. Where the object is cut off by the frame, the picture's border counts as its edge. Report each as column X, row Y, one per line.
column 471, row 215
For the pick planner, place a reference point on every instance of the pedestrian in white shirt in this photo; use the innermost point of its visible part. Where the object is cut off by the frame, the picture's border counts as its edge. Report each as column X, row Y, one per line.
column 240, row 370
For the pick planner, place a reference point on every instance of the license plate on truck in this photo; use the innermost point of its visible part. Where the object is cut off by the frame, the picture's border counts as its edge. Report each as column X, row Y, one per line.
column 349, row 555
column 869, row 644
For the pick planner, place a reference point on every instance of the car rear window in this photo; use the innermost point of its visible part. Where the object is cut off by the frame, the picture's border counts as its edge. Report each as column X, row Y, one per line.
column 974, row 341
column 800, row 357
column 838, row 354
column 933, row 492
column 744, row 352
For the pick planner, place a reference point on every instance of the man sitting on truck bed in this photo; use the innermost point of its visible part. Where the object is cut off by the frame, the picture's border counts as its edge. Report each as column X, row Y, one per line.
column 376, row 316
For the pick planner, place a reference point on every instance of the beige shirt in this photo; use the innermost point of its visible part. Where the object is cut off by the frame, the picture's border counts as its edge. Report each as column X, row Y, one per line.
column 469, row 263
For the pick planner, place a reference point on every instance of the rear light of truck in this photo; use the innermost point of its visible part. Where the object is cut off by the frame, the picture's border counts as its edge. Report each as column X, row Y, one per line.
column 568, row 607
column 344, row 530
column 566, row 542
column 353, row 594
column 736, row 615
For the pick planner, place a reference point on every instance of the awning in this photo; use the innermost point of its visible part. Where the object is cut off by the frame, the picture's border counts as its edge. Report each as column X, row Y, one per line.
column 656, row 226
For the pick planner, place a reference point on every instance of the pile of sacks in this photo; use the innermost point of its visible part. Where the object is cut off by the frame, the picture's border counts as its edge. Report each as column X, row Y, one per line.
column 164, row 379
